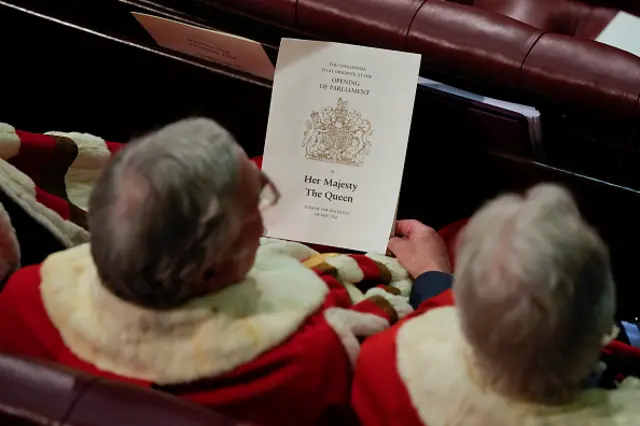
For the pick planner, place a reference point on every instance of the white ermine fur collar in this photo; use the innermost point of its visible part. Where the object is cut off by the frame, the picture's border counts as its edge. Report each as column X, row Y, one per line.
column 208, row 337
column 431, row 364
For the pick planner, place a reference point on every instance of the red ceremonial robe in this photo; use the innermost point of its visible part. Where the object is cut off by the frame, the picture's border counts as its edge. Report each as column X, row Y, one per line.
column 275, row 349
column 417, row 373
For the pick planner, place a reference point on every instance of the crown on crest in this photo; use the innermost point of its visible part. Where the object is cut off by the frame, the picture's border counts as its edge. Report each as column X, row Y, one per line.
column 342, row 105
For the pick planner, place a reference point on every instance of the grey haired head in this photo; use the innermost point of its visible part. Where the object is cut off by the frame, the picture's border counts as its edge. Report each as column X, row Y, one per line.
column 162, row 210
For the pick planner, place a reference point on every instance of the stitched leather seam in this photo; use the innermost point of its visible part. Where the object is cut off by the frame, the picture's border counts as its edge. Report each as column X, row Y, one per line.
column 88, row 385
column 406, row 36
column 524, row 61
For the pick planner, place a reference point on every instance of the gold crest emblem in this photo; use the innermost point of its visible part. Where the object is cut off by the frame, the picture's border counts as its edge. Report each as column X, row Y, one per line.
column 337, row 135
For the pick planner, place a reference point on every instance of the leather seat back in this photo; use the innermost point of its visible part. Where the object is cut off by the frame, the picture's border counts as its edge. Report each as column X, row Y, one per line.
column 40, row 393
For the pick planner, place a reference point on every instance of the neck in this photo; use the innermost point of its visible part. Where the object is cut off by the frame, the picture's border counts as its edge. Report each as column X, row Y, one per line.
column 156, row 301
column 521, row 386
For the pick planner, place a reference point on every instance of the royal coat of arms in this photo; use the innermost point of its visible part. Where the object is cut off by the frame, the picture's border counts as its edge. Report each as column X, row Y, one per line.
column 337, row 135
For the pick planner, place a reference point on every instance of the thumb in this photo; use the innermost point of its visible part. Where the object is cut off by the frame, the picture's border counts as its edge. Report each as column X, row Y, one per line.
column 407, row 227
column 397, row 245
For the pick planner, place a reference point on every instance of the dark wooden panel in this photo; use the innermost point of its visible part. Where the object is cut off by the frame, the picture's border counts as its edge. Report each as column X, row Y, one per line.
column 62, row 78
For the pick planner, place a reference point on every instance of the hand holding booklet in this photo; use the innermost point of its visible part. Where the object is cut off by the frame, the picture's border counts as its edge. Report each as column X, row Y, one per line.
column 336, row 142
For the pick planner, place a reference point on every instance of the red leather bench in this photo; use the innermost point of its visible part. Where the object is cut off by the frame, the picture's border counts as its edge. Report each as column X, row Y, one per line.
column 539, row 51
column 38, row 393
column 531, row 50
column 536, row 52
column 583, row 19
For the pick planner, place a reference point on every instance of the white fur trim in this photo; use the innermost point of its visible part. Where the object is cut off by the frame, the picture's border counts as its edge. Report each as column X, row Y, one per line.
column 348, row 269
column 9, row 248
column 404, row 286
column 206, row 338
column 433, row 367
column 400, row 303
column 399, row 276
column 349, row 272
column 9, row 142
column 349, row 325
column 21, row 189
column 82, row 175
column 355, row 294
column 290, row 248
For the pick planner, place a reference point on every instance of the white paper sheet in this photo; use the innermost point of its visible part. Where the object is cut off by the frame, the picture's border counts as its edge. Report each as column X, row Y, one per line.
column 336, row 142
column 622, row 32
column 225, row 49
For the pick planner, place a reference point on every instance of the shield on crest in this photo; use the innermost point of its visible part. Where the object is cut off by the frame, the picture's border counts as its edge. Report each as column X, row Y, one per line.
column 338, row 138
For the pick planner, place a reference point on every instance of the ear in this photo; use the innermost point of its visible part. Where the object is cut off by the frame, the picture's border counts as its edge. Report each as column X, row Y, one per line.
column 608, row 338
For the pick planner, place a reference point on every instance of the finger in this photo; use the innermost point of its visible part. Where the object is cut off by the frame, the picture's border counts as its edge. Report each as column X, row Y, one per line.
column 407, row 227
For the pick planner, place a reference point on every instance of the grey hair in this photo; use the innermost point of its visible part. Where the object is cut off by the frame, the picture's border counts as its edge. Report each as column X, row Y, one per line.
column 162, row 211
column 535, row 294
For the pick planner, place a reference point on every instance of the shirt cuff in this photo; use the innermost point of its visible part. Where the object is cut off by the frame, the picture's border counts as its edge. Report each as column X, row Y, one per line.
column 428, row 285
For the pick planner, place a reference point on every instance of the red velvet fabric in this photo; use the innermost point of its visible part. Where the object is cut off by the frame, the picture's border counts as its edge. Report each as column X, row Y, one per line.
column 46, row 159
column 305, row 380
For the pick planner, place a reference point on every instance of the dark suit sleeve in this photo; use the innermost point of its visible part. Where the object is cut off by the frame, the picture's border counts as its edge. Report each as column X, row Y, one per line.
column 428, row 286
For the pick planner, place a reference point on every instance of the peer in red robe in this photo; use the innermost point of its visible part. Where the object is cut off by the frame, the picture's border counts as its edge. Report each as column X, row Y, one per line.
column 416, row 373
column 275, row 349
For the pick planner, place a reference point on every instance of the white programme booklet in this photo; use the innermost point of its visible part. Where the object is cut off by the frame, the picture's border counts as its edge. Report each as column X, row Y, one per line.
column 336, row 142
